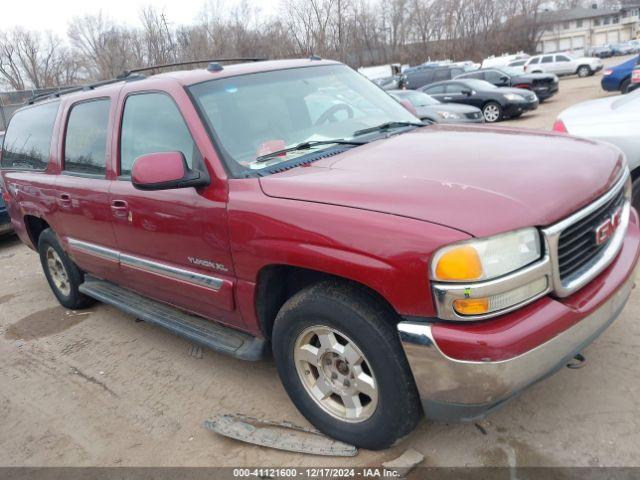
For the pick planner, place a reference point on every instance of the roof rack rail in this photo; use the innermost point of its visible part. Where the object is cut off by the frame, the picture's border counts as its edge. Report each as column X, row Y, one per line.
column 81, row 88
column 126, row 73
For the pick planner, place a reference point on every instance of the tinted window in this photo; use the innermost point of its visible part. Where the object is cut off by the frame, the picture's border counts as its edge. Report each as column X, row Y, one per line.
column 86, row 140
column 28, row 138
column 456, row 88
column 534, row 61
column 547, row 59
column 562, row 58
column 434, row 90
column 442, row 74
column 495, row 77
column 477, row 75
column 152, row 123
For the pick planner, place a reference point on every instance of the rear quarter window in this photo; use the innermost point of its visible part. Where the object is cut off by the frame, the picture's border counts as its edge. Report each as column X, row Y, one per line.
column 27, row 141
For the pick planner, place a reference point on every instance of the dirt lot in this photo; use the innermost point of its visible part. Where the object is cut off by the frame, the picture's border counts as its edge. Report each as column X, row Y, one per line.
column 98, row 388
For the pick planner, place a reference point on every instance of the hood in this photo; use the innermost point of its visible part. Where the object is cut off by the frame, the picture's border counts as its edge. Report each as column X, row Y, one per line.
column 478, row 180
column 603, row 112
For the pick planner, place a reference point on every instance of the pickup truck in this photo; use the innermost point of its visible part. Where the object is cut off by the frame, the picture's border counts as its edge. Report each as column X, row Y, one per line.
column 292, row 208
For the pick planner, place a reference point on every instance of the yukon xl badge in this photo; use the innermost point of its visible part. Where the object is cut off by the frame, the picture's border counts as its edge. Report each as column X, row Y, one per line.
column 208, row 264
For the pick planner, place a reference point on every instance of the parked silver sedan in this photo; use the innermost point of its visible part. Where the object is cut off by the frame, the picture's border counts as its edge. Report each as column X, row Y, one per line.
column 428, row 108
column 612, row 119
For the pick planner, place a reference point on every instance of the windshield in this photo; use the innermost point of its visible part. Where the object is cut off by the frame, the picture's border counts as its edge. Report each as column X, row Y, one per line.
column 417, row 99
column 630, row 99
column 479, row 84
column 254, row 115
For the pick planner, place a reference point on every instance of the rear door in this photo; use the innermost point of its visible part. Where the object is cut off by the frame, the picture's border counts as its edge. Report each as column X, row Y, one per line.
column 83, row 215
column 548, row 65
column 564, row 65
column 173, row 244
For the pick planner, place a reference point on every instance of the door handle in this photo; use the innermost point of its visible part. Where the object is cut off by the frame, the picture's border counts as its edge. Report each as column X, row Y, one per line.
column 447, row 98
column 64, row 200
column 119, row 208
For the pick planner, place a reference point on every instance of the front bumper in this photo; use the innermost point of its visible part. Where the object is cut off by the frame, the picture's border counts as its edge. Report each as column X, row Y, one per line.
column 516, row 108
column 462, row 389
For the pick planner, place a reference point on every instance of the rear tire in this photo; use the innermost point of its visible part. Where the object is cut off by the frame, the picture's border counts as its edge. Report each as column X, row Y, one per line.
column 332, row 338
column 63, row 275
column 492, row 112
column 584, row 71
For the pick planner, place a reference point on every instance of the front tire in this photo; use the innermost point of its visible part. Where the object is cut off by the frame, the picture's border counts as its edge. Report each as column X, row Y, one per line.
column 63, row 275
column 492, row 112
column 340, row 360
column 624, row 86
column 584, row 71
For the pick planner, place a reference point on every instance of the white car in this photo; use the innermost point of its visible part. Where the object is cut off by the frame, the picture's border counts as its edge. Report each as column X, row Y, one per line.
column 614, row 120
column 563, row 64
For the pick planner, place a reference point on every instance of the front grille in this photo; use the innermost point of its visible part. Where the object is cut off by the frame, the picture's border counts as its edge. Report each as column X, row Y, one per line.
column 577, row 245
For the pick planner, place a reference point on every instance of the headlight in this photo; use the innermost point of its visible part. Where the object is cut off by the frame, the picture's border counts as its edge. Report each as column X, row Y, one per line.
column 449, row 115
column 488, row 258
column 512, row 97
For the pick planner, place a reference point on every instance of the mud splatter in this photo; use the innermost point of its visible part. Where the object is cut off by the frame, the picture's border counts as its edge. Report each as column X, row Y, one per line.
column 44, row 323
column 6, row 298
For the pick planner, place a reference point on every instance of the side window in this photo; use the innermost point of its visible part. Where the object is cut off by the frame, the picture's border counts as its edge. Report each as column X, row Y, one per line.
column 547, row 59
column 86, row 140
column 534, row 61
column 493, row 76
column 562, row 58
column 441, row 74
column 27, row 142
column 434, row 90
column 152, row 123
column 455, row 88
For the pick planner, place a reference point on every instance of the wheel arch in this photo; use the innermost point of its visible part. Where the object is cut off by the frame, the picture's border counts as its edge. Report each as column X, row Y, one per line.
column 278, row 283
column 35, row 226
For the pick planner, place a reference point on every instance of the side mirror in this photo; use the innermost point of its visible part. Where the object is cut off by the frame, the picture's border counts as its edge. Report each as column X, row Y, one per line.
column 409, row 106
column 165, row 171
column 504, row 79
column 466, row 91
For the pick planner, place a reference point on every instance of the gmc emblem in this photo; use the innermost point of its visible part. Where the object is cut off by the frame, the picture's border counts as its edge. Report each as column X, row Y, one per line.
column 606, row 229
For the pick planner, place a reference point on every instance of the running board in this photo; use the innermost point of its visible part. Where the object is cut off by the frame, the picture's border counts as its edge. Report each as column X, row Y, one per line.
column 196, row 329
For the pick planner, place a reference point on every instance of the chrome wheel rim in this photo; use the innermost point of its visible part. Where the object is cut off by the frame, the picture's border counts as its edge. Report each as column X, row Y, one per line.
column 58, row 272
column 336, row 374
column 582, row 72
column 491, row 113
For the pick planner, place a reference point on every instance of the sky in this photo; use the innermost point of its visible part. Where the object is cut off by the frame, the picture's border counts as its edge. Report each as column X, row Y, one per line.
column 54, row 15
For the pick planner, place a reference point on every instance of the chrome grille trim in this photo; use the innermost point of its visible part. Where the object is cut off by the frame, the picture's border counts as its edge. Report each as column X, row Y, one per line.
column 564, row 287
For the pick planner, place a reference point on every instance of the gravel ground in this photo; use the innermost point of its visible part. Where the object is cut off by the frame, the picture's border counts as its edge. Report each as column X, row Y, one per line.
column 97, row 388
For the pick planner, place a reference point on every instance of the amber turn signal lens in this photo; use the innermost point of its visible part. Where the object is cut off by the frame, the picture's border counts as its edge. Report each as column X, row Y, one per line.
column 471, row 306
column 462, row 263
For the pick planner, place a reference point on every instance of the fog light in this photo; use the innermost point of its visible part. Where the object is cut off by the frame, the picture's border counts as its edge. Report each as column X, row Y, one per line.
column 494, row 303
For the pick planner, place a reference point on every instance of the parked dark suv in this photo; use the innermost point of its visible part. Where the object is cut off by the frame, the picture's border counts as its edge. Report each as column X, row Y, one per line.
column 422, row 75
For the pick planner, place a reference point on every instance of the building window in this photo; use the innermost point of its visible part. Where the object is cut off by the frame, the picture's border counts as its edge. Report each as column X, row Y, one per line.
column 596, row 22
column 566, row 25
column 616, row 19
column 578, row 23
column 607, row 20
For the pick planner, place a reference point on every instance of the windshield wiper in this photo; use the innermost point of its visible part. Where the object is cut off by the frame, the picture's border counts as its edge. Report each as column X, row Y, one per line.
column 306, row 146
column 387, row 126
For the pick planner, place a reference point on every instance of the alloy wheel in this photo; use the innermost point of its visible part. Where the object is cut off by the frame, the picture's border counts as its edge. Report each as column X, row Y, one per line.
column 58, row 272
column 491, row 113
column 336, row 374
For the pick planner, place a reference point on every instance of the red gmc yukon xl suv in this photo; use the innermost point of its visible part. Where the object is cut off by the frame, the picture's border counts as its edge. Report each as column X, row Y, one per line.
column 294, row 208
